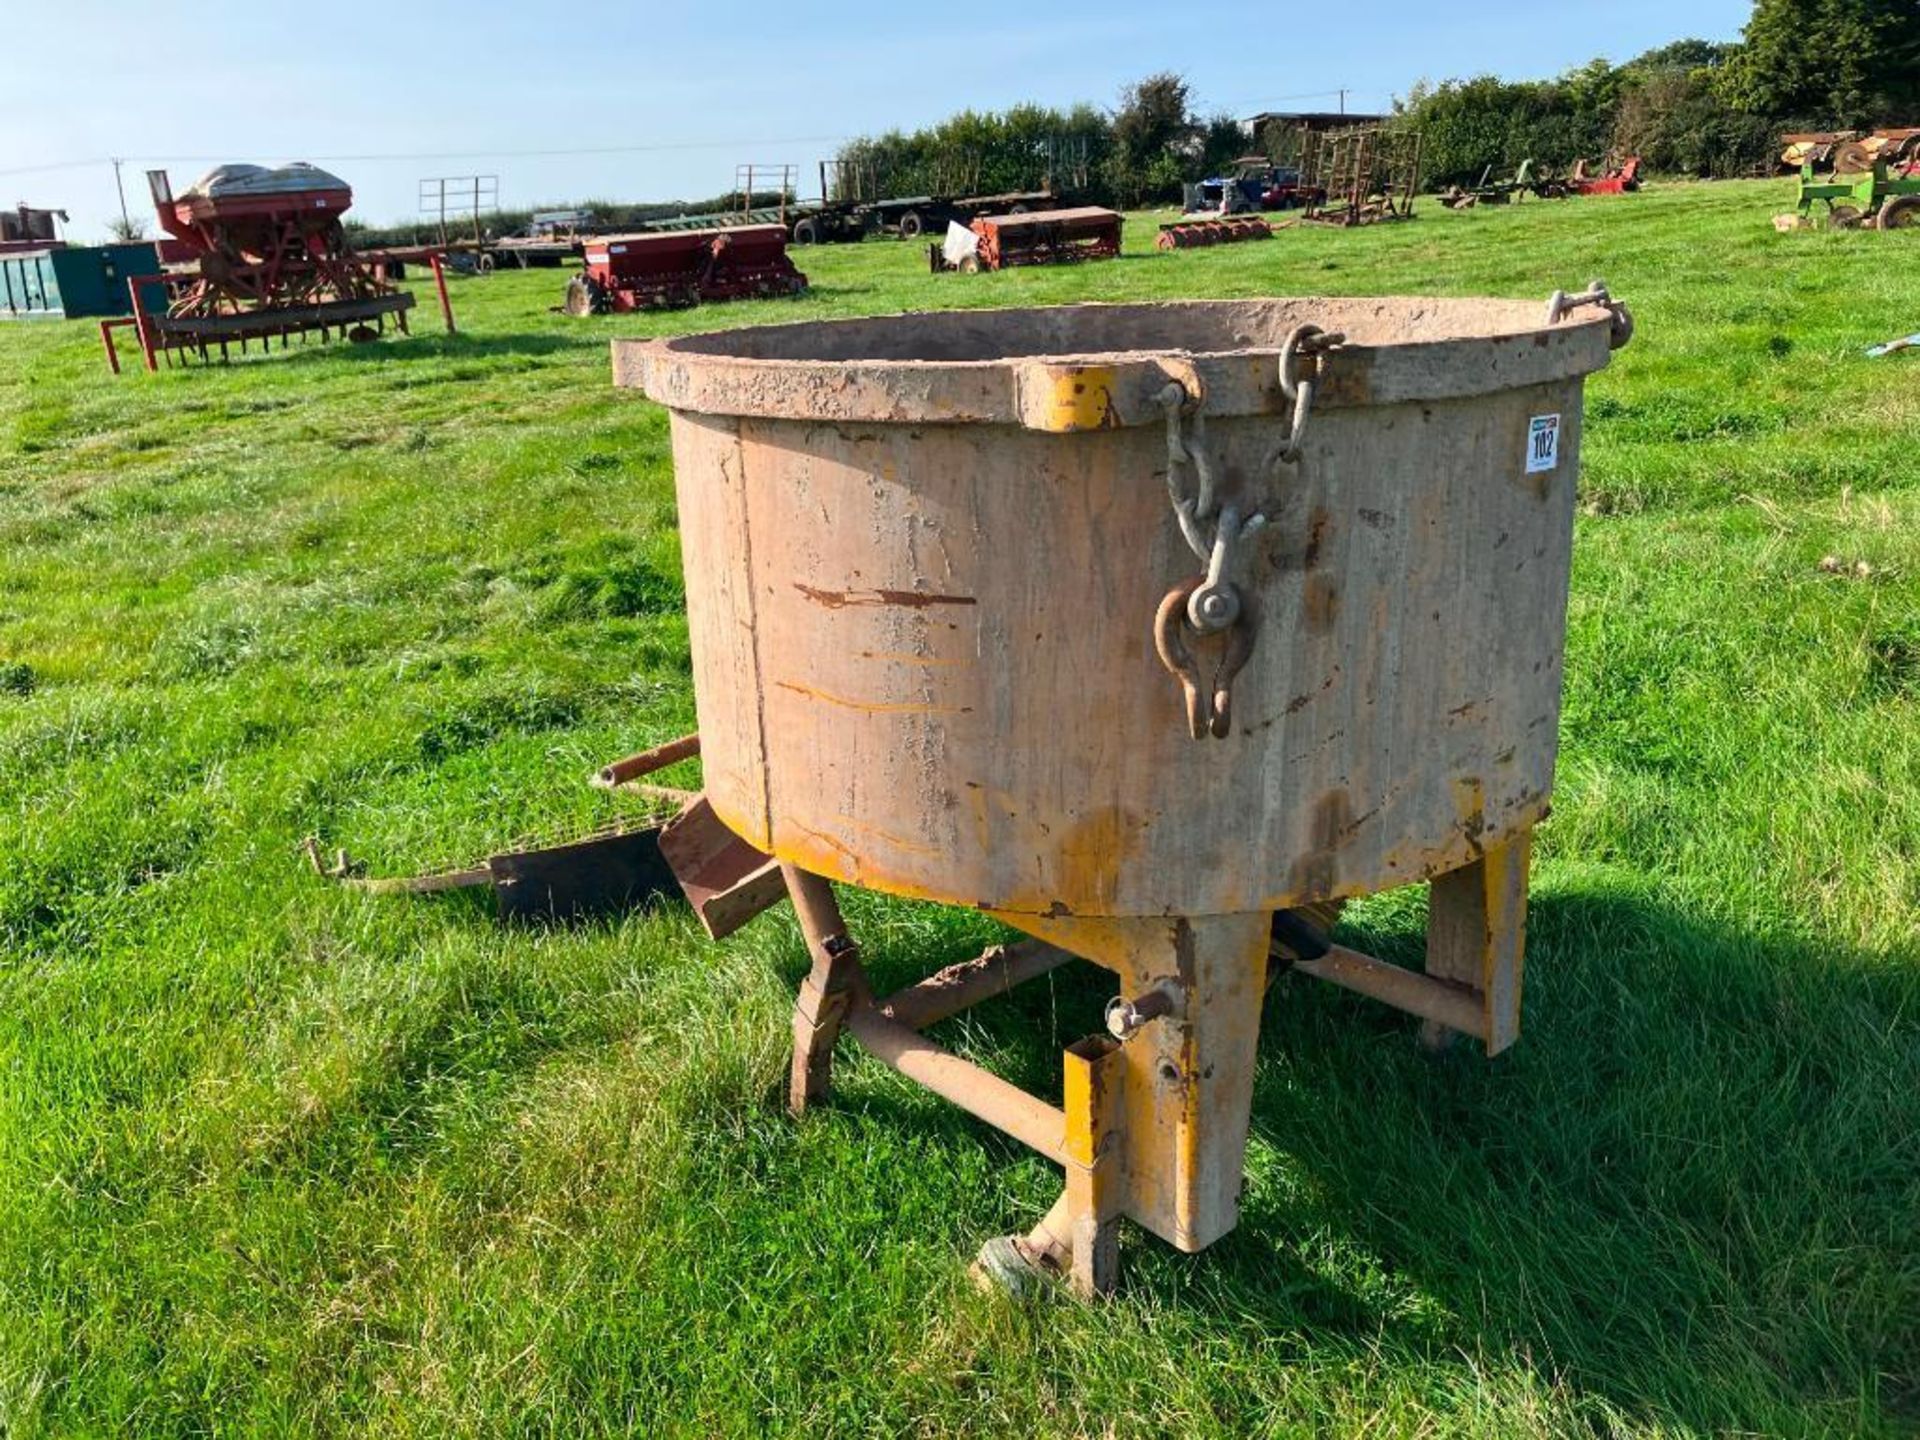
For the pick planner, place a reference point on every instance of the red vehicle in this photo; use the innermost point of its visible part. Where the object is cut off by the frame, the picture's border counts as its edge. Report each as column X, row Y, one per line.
column 674, row 268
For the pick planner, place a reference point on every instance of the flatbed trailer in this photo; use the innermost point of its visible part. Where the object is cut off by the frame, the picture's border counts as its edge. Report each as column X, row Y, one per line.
column 529, row 251
column 806, row 222
column 911, row 216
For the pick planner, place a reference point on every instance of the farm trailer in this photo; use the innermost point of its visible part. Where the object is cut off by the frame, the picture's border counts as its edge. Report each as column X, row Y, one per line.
column 807, row 222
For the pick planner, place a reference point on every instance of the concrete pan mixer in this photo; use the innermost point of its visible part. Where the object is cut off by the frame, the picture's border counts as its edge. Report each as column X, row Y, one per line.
column 1155, row 631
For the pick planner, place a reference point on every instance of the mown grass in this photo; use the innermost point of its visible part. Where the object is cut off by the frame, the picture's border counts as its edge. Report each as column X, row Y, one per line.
column 281, row 1158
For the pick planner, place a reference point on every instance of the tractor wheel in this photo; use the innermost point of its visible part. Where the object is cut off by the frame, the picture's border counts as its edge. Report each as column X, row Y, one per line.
column 806, row 232
column 1900, row 212
column 911, row 225
column 1843, row 217
column 484, row 265
column 584, row 297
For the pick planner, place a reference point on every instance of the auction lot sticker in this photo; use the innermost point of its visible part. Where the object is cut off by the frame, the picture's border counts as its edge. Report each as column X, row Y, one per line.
column 1543, row 443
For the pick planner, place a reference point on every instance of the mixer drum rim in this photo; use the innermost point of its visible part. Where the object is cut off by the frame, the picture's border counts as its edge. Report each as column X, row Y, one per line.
column 1022, row 366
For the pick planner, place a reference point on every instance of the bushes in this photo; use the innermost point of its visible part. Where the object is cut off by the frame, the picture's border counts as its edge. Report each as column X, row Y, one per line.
column 1694, row 107
column 1138, row 154
column 1855, row 63
column 978, row 153
column 1667, row 107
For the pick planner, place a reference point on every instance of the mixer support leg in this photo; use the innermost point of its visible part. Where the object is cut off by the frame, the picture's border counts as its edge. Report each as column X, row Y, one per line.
column 1093, row 1160
column 831, row 988
column 1477, row 937
column 1079, row 1238
column 1185, row 1090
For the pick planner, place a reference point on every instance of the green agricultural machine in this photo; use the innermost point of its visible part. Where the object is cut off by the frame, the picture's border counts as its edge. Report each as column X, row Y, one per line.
column 1867, row 190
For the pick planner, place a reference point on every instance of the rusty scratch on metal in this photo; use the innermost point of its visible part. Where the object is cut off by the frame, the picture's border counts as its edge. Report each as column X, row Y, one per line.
column 871, row 707
column 913, row 599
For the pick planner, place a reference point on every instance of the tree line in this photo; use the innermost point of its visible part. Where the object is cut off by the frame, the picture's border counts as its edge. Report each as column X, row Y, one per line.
column 1695, row 107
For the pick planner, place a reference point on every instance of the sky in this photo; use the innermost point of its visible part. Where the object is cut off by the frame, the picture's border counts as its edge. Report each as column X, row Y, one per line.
column 654, row 102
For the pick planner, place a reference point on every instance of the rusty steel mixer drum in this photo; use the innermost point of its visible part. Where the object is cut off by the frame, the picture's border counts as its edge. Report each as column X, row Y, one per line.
column 1135, row 625
column 924, row 553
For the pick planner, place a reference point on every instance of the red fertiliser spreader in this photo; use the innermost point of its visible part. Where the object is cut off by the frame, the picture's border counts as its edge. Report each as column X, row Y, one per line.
column 260, row 253
column 670, row 269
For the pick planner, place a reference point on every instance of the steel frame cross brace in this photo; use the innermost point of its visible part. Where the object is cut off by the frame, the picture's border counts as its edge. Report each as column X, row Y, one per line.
column 1152, row 1124
column 1079, row 1237
column 1153, row 1128
column 1476, row 949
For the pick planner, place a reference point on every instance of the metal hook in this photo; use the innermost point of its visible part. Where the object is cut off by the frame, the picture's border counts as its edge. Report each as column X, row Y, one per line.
column 1209, row 704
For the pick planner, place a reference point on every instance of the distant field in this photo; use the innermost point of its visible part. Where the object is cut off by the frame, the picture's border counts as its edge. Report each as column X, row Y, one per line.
column 279, row 1158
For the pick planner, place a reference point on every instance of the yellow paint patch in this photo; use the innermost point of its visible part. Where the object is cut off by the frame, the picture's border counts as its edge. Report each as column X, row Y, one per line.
column 1081, row 399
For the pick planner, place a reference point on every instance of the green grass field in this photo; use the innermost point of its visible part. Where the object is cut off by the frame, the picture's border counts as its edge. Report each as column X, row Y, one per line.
column 280, row 1158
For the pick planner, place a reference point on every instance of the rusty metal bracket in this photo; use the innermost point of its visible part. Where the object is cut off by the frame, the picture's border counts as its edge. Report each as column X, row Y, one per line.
column 725, row 879
column 624, row 774
column 615, row 868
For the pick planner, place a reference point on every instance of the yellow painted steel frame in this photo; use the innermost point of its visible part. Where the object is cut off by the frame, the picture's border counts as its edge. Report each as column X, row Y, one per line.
column 1153, row 1128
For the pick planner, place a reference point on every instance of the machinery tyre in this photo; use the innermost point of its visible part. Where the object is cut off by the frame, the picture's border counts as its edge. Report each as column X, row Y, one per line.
column 1017, row 209
column 484, row 265
column 969, row 265
column 912, row 226
column 1900, row 212
column 363, row 335
column 1844, row 217
column 1852, row 158
column 806, row 232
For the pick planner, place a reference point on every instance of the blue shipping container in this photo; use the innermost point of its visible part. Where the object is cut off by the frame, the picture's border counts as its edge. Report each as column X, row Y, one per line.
column 77, row 281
